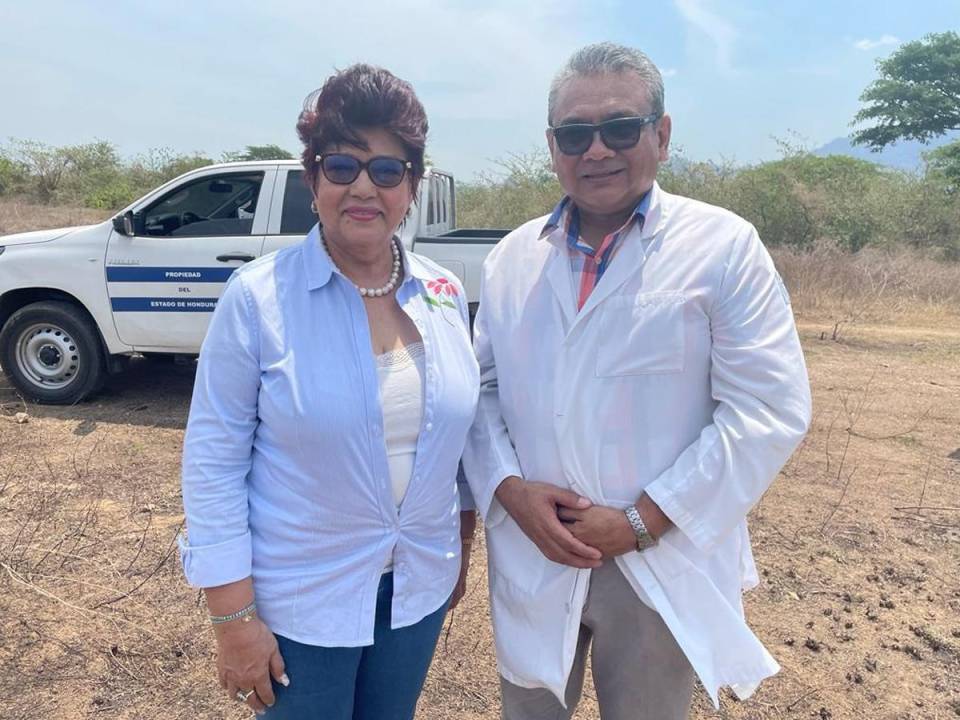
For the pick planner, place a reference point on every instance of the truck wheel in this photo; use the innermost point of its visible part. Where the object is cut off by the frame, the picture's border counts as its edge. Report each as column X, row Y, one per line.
column 51, row 353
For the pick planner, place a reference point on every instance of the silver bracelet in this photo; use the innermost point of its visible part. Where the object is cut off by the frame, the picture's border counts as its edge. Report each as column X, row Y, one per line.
column 242, row 613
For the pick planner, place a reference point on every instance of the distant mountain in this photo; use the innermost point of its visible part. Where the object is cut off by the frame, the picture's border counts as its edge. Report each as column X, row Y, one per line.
column 906, row 155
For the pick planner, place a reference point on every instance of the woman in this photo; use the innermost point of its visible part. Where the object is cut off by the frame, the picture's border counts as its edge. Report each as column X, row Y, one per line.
column 332, row 401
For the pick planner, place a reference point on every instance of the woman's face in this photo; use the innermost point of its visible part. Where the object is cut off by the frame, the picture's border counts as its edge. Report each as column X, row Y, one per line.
column 362, row 213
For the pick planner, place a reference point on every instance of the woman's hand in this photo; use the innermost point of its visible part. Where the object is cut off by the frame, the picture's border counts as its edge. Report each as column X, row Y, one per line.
column 461, row 587
column 247, row 657
column 468, row 526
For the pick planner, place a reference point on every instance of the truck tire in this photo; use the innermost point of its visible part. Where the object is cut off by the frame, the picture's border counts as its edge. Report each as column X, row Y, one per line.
column 51, row 352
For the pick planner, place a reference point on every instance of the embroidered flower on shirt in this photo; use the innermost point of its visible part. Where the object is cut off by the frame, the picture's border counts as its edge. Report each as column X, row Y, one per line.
column 441, row 288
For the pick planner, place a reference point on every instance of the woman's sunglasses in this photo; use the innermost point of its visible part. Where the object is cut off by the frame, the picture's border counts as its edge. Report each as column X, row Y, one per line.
column 617, row 134
column 384, row 171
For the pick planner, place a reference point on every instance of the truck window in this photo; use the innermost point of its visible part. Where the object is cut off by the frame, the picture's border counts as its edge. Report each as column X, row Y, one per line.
column 296, row 217
column 211, row 206
column 443, row 194
column 431, row 213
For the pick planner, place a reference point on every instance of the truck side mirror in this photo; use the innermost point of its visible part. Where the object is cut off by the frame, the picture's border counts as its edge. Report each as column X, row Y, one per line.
column 123, row 224
column 129, row 223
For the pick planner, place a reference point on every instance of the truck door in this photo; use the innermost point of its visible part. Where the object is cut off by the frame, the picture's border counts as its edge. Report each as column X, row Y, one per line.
column 290, row 215
column 164, row 282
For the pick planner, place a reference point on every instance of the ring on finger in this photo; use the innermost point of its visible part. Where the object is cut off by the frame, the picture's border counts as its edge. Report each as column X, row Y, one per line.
column 242, row 696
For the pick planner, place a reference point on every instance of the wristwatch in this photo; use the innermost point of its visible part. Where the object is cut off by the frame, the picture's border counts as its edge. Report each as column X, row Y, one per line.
column 644, row 539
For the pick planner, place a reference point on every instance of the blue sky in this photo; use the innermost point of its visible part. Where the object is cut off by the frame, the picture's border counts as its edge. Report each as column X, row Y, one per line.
column 215, row 76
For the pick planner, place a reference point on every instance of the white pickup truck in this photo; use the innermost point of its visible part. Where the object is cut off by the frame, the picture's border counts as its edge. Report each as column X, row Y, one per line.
column 77, row 303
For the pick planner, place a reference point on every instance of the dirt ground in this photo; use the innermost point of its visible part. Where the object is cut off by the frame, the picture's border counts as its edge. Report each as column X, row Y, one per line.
column 858, row 543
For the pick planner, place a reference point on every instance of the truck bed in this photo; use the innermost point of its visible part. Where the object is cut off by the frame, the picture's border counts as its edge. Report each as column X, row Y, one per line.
column 461, row 251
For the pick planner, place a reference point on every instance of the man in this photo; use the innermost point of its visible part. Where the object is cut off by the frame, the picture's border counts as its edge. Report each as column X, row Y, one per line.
column 642, row 384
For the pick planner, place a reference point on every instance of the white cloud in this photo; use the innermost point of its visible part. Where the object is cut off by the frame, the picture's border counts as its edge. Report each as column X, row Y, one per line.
column 718, row 30
column 868, row 44
column 669, row 72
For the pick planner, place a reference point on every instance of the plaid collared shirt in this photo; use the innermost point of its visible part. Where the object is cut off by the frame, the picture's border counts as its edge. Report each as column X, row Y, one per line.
column 587, row 264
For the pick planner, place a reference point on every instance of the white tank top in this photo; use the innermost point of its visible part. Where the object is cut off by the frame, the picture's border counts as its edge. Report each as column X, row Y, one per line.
column 400, row 373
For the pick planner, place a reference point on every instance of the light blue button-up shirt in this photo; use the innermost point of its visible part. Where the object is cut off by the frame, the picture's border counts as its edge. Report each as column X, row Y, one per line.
column 285, row 473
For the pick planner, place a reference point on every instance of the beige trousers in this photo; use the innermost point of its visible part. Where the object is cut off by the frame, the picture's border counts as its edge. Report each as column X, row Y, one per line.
column 639, row 671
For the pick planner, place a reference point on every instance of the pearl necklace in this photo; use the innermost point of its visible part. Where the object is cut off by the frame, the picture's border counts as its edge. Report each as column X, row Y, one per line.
column 380, row 291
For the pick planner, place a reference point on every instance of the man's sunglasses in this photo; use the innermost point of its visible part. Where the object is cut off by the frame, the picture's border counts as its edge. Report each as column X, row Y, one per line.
column 617, row 134
column 384, row 171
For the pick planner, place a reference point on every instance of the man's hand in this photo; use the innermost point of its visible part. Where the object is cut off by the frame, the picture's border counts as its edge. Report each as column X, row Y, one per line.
column 604, row 528
column 534, row 507
column 608, row 529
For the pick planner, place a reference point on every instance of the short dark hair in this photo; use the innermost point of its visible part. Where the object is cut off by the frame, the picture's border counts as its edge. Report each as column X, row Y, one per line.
column 362, row 97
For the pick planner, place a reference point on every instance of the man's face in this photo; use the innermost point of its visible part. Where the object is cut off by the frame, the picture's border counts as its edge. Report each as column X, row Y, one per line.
column 600, row 180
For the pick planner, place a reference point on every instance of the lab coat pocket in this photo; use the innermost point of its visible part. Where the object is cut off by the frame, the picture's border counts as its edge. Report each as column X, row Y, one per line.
column 641, row 335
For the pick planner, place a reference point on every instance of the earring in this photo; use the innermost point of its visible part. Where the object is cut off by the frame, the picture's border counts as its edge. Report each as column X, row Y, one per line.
column 313, row 206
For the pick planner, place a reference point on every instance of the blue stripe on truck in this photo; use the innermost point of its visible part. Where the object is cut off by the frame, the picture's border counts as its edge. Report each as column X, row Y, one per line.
column 168, row 274
column 163, row 304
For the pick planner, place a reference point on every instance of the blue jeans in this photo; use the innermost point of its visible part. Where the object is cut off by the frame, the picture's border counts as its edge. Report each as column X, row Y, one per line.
column 378, row 682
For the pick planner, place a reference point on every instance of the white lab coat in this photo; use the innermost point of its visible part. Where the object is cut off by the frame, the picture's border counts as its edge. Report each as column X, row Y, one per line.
column 682, row 376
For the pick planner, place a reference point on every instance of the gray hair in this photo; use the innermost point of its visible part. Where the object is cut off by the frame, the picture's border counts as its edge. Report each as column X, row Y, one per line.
column 608, row 57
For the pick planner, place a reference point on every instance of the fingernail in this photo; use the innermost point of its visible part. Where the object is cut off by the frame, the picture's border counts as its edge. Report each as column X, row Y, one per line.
column 284, row 680
column 584, row 502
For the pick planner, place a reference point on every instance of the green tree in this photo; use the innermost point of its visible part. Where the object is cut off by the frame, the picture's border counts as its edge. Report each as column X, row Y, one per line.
column 258, row 152
column 709, row 182
column 524, row 188
column 917, row 95
column 95, row 176
column 157, row 165
column 43, row 164
column 13, row 176
column 946, row 161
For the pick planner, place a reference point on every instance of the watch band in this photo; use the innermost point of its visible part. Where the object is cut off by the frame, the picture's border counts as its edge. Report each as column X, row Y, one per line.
column 644, row 539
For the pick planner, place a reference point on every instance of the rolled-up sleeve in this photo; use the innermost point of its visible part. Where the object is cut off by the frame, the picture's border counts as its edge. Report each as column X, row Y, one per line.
column 219, row 443
column 759, row 381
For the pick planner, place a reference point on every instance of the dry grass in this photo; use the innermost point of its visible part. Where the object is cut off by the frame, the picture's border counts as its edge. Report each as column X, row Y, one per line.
column 17, row 215
column 858, row 540
column 874, row 285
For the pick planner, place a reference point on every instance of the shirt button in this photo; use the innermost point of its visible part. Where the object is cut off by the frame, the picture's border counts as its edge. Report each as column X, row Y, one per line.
column 429, row 427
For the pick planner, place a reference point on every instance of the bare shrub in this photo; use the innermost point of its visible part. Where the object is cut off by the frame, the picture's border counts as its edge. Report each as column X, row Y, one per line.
column 90, row 588
column 525, row 188
column 874, row 284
